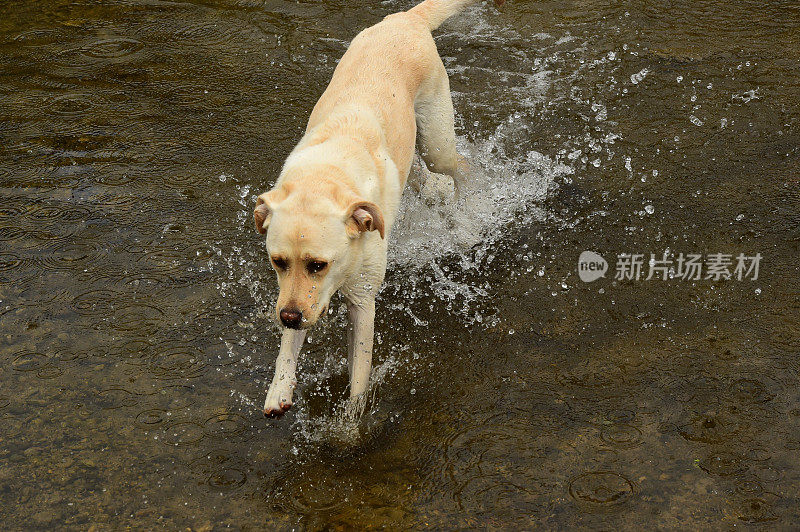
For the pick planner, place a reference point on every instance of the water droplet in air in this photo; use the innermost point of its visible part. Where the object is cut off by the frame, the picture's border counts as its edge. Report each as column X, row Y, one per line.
column 639, row 76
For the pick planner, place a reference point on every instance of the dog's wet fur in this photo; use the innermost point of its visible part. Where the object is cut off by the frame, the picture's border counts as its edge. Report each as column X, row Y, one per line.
column 330, row 212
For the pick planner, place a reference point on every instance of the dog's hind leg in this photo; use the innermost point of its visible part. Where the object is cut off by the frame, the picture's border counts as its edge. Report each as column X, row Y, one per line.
column 436, row 136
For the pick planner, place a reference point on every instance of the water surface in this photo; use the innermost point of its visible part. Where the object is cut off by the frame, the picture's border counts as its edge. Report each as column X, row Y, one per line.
column 135, row 294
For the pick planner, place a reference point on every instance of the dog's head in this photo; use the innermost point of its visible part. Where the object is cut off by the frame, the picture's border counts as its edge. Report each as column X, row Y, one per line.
column 313, row 237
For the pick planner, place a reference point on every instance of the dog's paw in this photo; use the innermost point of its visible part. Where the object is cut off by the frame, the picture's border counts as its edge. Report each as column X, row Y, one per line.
column 278, row 402
column 277, row 410
column 354, row 407
column 437, row 189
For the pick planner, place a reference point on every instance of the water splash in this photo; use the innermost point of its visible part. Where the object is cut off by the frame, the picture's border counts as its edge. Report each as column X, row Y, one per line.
column 350, row 422
column 500, row 190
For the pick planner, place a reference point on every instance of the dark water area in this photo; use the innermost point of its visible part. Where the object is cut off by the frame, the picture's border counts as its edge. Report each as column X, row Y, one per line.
column 135, row 296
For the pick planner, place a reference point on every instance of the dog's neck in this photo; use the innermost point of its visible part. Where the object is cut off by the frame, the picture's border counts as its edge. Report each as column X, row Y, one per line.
column 350, row 142
column 359, row 125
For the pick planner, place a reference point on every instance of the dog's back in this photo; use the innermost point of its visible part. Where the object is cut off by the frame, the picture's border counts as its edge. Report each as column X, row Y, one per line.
column 387, row 69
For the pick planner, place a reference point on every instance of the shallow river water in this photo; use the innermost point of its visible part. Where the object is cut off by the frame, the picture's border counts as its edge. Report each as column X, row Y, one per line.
column 135, row 295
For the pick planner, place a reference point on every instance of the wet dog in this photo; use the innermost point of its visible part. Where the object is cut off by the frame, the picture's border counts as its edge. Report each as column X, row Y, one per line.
column 328, row 217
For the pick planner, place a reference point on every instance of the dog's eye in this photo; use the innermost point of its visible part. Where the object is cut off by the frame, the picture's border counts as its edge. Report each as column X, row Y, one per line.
column 279, row 263
column 316, row 266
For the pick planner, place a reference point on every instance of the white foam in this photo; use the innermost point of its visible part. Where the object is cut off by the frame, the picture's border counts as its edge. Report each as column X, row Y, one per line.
column 500, row 191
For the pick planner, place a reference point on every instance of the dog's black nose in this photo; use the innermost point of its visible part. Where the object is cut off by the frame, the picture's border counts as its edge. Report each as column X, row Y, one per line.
column 291, row 318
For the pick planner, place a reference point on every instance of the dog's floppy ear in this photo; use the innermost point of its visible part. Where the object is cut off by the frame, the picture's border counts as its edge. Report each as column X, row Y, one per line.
column 263, row 212
column 364, row 216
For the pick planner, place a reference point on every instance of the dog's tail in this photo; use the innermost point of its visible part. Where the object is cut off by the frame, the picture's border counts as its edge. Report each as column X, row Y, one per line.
column 434, row 12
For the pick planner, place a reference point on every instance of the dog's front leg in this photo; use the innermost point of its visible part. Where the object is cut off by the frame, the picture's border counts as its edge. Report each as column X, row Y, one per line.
column 359, row 335
column 279, row 396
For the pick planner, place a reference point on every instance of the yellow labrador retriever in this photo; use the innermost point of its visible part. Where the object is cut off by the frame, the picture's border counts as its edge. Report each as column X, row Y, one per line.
column 328, row 217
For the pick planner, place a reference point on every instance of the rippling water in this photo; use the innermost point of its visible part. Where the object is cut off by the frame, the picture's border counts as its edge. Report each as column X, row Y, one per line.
column 134, row 292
